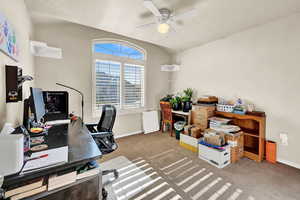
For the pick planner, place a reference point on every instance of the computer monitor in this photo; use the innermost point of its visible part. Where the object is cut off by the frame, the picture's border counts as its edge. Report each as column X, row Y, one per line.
column 37, row 105
column 56, row 104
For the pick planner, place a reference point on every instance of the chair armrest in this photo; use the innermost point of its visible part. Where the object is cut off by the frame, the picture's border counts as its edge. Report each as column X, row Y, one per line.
column 101, row 134
column 92, row 127
column 91, row 124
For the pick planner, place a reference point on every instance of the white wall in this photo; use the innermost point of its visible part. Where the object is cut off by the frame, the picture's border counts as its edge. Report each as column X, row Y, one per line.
column 75, row 69
column 261, row 65
column 16, row 13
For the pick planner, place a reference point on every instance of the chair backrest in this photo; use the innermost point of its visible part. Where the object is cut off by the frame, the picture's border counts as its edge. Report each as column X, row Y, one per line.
column 107, row 119
column 166, row 110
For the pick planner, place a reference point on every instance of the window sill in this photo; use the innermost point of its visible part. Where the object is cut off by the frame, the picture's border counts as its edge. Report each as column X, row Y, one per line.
column 121, row 112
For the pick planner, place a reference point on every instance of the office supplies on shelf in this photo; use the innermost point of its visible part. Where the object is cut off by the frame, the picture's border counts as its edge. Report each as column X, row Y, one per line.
column 226, row 128
column 37, row 140
column 82, row 98
column 36, row 130
column 39, row 148
column 57, row 105
column 11, row 154
column 55, row 156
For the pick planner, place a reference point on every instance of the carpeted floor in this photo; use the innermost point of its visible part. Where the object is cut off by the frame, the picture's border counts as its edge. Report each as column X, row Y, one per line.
column 155, row 167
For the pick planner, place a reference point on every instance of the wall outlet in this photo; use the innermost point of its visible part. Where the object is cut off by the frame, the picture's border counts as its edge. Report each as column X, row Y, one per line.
column 284, row 139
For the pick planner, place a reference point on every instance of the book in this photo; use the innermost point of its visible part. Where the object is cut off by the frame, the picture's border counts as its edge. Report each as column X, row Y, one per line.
column 29, row 193
column 88, row 173
column 24, row 188
column 56, row 181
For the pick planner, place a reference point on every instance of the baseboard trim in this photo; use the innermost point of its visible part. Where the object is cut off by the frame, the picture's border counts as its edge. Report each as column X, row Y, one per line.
column 286, row 162
column 128, row 134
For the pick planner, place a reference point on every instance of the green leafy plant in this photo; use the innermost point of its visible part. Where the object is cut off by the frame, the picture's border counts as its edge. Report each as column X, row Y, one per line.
column 185, row 99
column 188, row 94
column 175, row 100
column 167, row 98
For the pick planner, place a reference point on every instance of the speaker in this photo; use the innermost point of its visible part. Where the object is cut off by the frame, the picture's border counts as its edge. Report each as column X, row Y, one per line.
column 13, row 88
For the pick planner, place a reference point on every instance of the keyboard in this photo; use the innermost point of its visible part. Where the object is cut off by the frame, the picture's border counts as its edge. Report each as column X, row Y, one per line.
column 58, row 122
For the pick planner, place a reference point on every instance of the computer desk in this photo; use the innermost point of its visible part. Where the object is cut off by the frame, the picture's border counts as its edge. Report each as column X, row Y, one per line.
column 82, row 149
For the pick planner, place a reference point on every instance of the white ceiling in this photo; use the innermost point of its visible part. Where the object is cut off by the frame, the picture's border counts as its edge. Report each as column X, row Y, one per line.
column 215, row 19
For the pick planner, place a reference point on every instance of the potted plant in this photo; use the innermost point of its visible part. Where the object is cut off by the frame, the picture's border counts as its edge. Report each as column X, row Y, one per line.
column 167, row 98
column 176, row 103
column 187, row 99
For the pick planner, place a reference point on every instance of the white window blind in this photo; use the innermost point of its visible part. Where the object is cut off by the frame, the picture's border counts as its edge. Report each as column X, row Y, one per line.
column 133, row 86
column 107, row 83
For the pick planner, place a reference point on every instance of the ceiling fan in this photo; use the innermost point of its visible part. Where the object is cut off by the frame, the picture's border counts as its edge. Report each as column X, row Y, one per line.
column 165, row 19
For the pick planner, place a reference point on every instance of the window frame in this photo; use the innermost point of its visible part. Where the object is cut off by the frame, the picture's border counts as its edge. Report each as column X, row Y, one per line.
column 123, row 61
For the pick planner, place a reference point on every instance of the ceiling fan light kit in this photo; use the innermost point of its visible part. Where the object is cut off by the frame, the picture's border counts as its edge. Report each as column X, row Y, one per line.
column 165, row 19
column 163, row 28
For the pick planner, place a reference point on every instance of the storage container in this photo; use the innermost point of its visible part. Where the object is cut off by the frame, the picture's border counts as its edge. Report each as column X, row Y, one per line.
column 271, row 151
column 225, row 108
column 217, row 158
column 236, row 142
column 189, row 142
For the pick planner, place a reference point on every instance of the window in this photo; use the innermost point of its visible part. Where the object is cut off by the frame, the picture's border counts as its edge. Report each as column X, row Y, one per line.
column 133, row 86
column 107, row 83
column 119, row 75
column 118, row 50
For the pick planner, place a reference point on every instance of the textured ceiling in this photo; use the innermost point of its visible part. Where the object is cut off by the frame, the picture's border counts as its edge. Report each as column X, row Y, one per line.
column 215, row 18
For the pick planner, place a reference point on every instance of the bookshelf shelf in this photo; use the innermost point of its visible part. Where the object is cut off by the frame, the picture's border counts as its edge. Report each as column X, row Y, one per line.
column 253, row 127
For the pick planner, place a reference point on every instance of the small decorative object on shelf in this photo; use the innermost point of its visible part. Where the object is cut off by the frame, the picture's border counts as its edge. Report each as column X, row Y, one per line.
column 225, row 107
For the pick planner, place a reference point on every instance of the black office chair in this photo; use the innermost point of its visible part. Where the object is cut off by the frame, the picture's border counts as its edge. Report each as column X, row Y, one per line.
column 104, row 138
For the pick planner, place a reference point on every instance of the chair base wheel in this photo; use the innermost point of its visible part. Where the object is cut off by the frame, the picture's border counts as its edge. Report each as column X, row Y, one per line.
column 104, row 194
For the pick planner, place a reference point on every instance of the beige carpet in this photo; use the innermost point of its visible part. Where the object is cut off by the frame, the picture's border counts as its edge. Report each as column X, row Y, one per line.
column 156, row 167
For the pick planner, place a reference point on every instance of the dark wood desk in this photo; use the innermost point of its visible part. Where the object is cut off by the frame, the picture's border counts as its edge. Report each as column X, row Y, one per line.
column 82, row 149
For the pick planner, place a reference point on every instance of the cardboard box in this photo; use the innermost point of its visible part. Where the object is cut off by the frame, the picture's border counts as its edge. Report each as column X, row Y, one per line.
column 218, row 139
column 215, row 157
column 192, row 130
column 189, row 142
column 236, row 142
column 199, row 116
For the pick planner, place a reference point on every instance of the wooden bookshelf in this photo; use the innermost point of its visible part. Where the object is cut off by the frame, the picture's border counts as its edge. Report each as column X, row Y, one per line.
column 254, row 128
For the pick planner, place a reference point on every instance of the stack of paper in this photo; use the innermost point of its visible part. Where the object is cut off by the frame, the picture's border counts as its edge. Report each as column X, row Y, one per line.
column 218, row 121
column 46, row 159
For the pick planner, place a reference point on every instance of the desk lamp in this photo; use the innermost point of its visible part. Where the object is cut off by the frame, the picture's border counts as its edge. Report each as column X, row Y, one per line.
column 81, row 94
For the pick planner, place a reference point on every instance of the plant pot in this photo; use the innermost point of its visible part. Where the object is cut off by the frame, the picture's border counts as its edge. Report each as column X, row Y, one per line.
column 176, row 106
column 187, row 106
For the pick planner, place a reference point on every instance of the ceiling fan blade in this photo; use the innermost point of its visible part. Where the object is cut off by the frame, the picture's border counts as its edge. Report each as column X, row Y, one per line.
column 173, row 26
column 185, row 15
column 151, row 6
column 146, row 25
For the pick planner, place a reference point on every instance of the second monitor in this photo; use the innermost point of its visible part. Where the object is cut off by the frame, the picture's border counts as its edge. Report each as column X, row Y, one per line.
column 56, row 104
